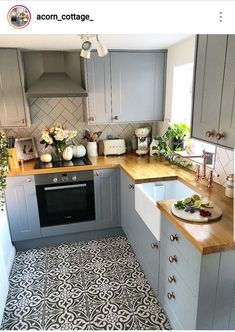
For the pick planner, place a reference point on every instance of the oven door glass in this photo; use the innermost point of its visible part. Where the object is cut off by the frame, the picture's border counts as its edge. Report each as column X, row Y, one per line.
column 66, row 203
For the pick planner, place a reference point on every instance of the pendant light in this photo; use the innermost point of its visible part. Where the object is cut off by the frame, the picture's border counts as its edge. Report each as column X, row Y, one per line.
column 87, row 46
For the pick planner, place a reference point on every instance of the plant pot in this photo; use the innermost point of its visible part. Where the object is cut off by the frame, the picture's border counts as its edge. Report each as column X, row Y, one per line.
column 177, row 143
column 92, row 150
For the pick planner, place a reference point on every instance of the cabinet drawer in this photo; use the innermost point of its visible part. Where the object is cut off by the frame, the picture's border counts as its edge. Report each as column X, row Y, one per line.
column 181, row 265
column 181, row 309
column 178, row 241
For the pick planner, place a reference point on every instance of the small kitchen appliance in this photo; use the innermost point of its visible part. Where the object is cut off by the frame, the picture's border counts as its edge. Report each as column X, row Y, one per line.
column 114, row 146
column 143, row 140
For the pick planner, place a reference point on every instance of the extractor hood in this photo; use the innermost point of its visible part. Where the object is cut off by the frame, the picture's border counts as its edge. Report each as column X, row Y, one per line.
column 55, row 85
column 53, row 74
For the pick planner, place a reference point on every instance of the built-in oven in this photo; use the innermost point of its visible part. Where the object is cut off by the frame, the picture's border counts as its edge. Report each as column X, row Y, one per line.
column 65, row 198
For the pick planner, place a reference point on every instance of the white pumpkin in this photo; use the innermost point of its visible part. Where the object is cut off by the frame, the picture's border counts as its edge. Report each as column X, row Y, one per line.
column 79, row 151
column 46, row 158
column 68, row 153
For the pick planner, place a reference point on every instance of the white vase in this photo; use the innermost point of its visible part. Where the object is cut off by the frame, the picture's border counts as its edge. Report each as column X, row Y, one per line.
column 92, row 149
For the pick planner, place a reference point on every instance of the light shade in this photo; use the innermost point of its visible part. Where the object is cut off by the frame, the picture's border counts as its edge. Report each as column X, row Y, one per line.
column 101, row 49
column 85, row 54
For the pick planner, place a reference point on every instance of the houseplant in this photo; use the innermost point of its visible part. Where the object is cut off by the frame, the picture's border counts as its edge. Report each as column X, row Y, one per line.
column 172, row 140
column 176, row 135
column 57, row 137
column 4, row 155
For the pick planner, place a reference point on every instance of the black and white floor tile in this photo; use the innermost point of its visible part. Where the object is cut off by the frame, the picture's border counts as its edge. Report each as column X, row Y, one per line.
column 90, row 285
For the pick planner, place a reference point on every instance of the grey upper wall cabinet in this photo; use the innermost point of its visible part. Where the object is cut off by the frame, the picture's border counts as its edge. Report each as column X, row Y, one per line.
column 127, row 86
column 14, row 110
column 214, row 90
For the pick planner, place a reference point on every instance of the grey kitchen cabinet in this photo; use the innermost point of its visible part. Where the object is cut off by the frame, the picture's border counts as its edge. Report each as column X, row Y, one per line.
column 106, row 197
column 125, row 87
column 140, row 237
column 214, row 85
column 197, row 291
column 22, row 208
column 138, row 85
column 14, row 110
column 97, row 81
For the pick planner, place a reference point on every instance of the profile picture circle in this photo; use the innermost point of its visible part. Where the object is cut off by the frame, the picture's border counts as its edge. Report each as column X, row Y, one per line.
column 19, row 16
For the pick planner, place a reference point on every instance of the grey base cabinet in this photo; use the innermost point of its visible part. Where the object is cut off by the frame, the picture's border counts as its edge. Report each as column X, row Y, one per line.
column 22, row 208
column 106, row 197
column 141, row 239
column 197, row 291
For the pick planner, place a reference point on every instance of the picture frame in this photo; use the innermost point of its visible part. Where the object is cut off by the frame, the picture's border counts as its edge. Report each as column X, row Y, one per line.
column 26, row 149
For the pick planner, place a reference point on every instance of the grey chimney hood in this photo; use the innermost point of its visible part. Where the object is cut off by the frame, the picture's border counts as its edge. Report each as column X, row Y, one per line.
column 53, row 74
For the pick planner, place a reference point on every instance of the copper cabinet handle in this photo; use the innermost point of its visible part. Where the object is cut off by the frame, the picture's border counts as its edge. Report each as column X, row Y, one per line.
column 171, row 295
column 210, row 133
column 131, row 186
column 115, row 117
column 29, row 179
column 154, row 245
column 220, row 136
column 171, row 279
column 172, row 259
column 174, row 237
column 97, row 173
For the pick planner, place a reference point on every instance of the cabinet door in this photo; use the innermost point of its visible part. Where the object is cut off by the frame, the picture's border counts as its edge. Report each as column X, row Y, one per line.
column 97, row 72
column 12, row 106
column 22, row 208
column 227, row 118
column 208, row 84
column 138, row 234
column 138, row 86
column 106, row 198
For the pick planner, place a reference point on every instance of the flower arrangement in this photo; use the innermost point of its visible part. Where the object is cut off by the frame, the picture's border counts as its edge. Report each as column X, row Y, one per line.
column 57, row 137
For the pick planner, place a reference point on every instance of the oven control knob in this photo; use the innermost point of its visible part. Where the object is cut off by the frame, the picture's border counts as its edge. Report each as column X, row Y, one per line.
column 55, row 180
column 74, row 178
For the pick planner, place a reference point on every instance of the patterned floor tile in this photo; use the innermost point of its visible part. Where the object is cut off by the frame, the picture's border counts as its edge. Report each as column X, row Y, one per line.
column 90, row 285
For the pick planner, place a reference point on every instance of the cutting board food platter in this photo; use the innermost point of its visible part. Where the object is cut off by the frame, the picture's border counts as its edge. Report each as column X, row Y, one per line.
column 216, row 214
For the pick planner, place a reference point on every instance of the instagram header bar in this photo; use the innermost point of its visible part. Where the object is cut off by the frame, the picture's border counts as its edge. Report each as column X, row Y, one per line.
column 71, row 17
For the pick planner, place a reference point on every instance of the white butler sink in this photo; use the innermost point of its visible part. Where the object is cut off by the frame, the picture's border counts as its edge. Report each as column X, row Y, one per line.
column 146, row 196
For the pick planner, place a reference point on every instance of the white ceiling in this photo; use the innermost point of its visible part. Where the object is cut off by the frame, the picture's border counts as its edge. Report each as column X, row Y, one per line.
column 72, row 42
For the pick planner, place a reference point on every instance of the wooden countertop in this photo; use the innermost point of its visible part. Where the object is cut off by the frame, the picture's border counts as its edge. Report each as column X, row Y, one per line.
column 207, row 238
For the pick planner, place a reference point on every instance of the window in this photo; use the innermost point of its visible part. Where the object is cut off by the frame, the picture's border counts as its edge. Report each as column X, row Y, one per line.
column 181, row 109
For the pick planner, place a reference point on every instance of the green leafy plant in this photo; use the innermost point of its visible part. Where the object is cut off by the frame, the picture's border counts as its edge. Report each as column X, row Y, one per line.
column 171, row 142
column 4, row 155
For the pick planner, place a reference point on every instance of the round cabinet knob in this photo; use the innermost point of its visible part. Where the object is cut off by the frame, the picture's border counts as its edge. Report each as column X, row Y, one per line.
column 131, row 186
column 154, row 245
column 174, row 237
column 172, row 259
column 171, row 295
column 115, row 117
column 92, row 119
column 210, row 133
column 29, row 179
column 22, row 121
column 55, row 180
column 220, row 136
column 171, row 279
column 74, row 178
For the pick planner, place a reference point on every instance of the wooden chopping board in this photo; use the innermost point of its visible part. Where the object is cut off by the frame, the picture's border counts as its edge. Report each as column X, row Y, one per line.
column 216, row 214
